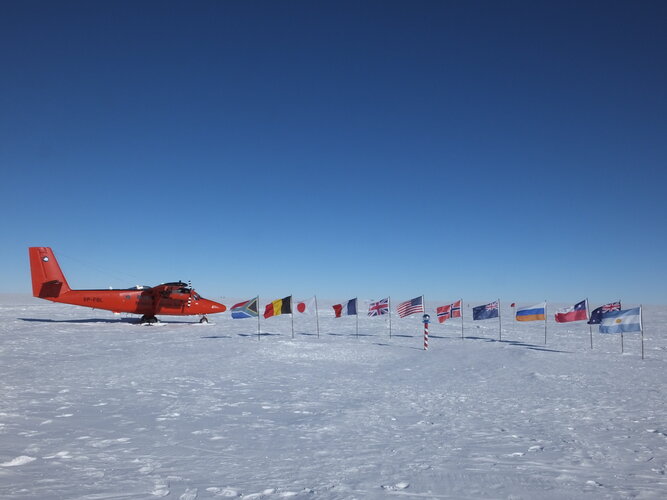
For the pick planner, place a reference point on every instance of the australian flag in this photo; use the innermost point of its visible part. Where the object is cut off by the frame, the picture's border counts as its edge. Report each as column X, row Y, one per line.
column 487, row 311
column 597, row 314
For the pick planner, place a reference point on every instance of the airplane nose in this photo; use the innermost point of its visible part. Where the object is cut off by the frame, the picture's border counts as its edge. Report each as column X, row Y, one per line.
column 216, row 307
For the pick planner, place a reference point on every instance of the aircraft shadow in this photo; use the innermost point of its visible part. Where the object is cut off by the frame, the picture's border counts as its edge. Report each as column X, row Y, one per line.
column 263, row 334
column 89, row 320
column 350, row 334
column 129, row 321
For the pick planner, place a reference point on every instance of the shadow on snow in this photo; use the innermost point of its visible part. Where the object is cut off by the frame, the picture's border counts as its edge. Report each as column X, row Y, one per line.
column 518, row 344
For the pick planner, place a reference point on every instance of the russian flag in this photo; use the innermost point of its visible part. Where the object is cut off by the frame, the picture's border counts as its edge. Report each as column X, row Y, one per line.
column 348, row 308
column 532, row 313
column 578, row 312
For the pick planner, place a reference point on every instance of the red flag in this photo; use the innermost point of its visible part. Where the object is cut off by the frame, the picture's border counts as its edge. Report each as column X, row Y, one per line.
column 578, row 312
column 450, row 311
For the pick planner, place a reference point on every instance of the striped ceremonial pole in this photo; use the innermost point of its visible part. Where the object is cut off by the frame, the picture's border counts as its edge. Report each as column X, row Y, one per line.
column 425, row 320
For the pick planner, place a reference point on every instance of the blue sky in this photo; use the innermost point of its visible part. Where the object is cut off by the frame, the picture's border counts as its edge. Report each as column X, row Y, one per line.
column 476, row 149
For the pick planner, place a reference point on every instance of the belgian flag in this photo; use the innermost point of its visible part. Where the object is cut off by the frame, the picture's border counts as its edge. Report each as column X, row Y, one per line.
column 278, row 307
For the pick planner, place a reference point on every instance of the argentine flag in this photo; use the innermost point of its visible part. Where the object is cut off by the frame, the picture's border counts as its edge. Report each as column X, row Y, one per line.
column 629, row 320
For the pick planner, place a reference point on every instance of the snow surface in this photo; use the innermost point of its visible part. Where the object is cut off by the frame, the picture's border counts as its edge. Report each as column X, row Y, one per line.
column 95, row 407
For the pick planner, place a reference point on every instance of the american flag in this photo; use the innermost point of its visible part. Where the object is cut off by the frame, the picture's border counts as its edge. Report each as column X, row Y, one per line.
column 379, row 308
column 409, row 307
column 450, row 311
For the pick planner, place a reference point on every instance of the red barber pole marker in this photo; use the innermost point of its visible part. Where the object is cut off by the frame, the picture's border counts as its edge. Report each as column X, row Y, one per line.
column 426, row 319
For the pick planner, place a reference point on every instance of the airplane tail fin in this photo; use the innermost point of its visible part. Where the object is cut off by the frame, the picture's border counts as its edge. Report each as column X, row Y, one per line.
column 48, row 281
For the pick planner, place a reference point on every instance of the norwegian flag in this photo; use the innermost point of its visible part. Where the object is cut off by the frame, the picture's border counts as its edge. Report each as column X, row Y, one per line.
column 450, row 311
column 597, row 314
column 379, row 308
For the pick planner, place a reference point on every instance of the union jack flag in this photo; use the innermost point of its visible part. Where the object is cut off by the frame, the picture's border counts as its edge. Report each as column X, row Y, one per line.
column 450, row 311
column 410, row 307
column 613, row 306
column 379, row 308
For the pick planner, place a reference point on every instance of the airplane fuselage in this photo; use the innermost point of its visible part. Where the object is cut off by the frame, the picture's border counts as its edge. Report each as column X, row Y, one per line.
column 143, row 302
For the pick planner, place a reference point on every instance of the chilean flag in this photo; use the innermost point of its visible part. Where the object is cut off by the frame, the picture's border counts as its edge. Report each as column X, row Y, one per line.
column 578, row 312
column 348, row 308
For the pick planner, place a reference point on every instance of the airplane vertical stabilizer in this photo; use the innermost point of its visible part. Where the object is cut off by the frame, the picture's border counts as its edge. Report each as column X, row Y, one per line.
column 48, row 281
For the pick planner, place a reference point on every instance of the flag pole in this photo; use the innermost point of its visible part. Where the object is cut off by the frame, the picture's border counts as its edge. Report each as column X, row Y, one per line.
column 317, row 318
column 641, row 326
column 461, row 319
column 259, row 329
column 500, row 325
column 590, row 329
column 588, row 318
column 389, row 302
column 545, row 322
column 356, row 313
column 291, row 314
column 621, row 342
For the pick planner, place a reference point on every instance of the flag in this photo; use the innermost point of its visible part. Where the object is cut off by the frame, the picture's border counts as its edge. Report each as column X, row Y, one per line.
column 247, row 309
column 629, row 320
column 410, row 307
column 450, row 311
column 532, row 313
column 487, row 311
column 348, row 308
column 379, row 308
column 513, row 304
column 306, row 306
column 578, row 312
column 278, row 307
column 599, row 312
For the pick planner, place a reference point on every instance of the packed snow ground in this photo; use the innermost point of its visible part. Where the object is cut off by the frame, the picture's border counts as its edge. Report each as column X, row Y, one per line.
column 95, row 407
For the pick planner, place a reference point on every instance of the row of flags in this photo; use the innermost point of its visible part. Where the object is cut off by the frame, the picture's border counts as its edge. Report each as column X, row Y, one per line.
column 610, row 317
column 250, row 308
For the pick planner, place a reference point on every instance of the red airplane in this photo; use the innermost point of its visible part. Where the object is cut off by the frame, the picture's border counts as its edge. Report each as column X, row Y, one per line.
column 173, row 299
